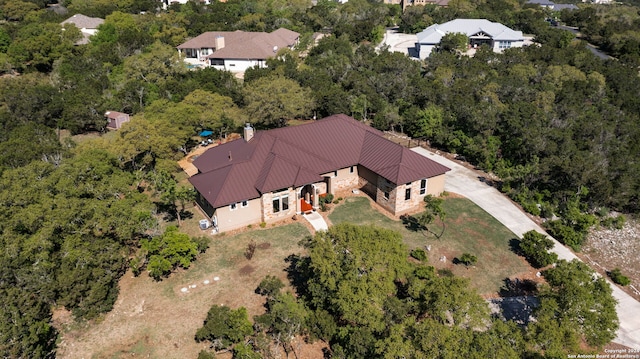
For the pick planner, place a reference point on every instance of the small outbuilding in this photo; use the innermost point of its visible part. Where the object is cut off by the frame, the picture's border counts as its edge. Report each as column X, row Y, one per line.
column 116, row 119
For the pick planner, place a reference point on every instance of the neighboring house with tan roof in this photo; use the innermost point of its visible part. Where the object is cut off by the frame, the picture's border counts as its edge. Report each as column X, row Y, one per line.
column 87, row 25
column 479, row 31
column 271, row 175
column 236, row 51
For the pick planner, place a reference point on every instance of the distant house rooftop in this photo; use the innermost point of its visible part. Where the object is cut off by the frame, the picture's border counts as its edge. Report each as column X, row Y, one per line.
column 87, row 25
column 236, row 50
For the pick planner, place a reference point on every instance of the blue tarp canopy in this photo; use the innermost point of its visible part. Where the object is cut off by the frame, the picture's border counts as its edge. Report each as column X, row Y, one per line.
column 206, row 133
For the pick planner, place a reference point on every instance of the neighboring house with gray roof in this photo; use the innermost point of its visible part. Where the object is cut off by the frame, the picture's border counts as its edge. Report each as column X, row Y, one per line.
column 551, row 5
column 87, row 25
column 236, row 51
column 479, row 31
column 272, row 175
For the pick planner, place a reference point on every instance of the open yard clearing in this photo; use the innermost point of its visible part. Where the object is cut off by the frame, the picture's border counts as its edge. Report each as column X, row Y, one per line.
column 159, row 319
column 468, row 229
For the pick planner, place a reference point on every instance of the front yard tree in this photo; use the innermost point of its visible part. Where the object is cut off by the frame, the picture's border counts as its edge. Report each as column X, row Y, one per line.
column 579, row 304
column 275, row 99
column 284, row 320
column 168, row 251
column 453, row 42
column 535, row 247
column 433, row 209
column 224, row 327
column 353, row 269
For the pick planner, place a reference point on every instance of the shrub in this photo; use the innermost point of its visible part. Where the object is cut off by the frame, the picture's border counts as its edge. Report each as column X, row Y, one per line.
column 445, row 273
column 535, row 248
column 468, row 259
column 419, row 254
column 206, row 355
column 270, row 286
column 327, row 198
column 263, row 224
column 203, row 243
column 616, row 222
column 424, row 272
column 251, row 249
column 565, row 234
column 618, row 278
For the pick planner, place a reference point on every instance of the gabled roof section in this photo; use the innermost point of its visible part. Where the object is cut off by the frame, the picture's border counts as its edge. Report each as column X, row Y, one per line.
column 299, row 155
column 242, row 44
column 83, row 21
column 396, row 163
column 434, row 33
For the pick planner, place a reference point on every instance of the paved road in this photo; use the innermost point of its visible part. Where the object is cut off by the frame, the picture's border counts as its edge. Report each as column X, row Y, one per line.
column 463, row 181
column 594, row 50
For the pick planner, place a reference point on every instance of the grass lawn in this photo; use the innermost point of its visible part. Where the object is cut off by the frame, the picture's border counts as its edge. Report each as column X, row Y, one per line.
column 468, row 229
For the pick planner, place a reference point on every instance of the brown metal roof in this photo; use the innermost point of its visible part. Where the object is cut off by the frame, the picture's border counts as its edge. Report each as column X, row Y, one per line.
column 294, row 156
column 243, row 45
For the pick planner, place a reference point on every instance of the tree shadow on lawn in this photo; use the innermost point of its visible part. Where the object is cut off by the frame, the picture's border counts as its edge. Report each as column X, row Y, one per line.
column 514, row 245
column 170, row 214
column 298, row 272
column 411, row 223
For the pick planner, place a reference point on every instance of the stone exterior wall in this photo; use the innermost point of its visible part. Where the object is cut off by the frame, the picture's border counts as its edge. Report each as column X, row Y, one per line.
column 402, row 204
column 367, row 181
column 229, row 219
column 384, row 186
column 268, row 215
column 342, row 180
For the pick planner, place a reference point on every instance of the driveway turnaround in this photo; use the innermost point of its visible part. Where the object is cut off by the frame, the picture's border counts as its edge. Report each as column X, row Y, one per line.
column 465, row 182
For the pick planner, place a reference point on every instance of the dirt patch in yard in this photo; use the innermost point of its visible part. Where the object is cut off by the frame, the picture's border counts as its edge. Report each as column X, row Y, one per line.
column 607, row 249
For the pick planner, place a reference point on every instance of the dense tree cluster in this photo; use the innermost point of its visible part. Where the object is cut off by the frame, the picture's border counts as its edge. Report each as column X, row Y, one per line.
column 359, row 293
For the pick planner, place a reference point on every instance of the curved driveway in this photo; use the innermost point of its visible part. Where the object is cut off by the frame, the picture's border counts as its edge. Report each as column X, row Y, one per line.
column 463, row 181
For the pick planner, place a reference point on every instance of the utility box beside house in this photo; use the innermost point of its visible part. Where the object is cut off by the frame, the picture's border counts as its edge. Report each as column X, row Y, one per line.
column 116, row 119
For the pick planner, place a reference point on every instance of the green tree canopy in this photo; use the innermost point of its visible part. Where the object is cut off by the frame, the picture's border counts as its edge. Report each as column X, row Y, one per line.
column 273, row 100
column 224, row 327
column 576, row 304
column 354, row 269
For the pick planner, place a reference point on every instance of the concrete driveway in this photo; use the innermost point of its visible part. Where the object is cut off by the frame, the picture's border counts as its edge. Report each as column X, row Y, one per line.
column 463, row 181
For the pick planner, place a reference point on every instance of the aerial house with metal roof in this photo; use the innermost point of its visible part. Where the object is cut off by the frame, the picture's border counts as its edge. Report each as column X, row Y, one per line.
column 271, row 175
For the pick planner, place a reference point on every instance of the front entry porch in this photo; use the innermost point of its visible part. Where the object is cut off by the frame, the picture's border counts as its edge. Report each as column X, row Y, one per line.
column 308, row 198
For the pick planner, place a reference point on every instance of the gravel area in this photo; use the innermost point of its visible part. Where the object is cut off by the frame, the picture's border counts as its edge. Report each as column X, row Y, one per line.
column 607, row 249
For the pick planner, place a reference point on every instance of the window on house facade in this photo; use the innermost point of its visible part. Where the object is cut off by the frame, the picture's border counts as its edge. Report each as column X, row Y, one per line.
column 217, row 62
column 504, row 44
column 280, row 203
column 352, row 169
column 407, row 194
column 423, row 186
column 335, row 173
column 233, row 206
column 191, row 53
column 244, row 204
column 386, row 194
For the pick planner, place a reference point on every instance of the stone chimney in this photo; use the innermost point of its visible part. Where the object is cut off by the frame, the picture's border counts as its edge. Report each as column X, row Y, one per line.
column 248, row 132
column 219, row 42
